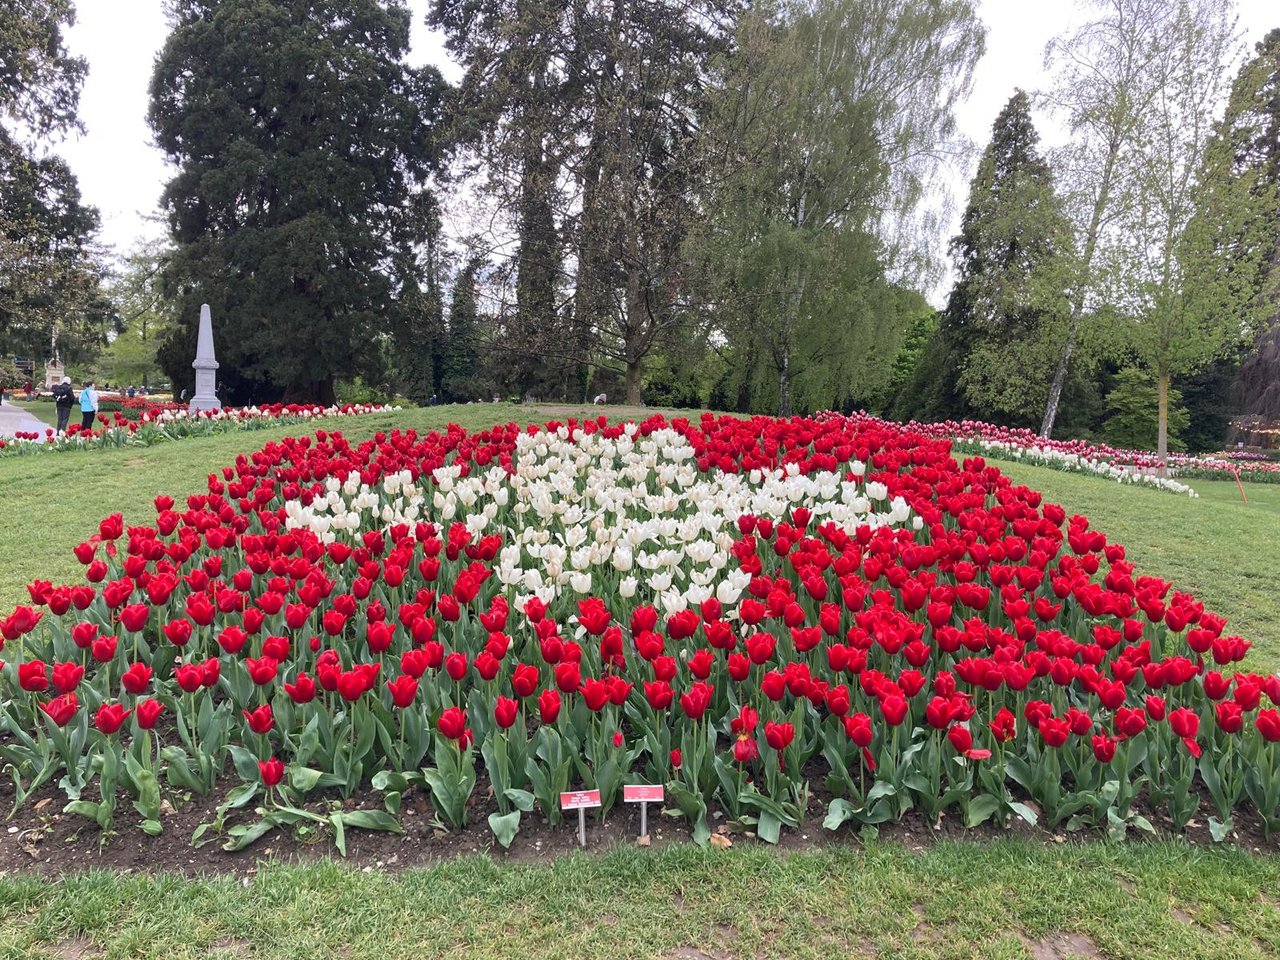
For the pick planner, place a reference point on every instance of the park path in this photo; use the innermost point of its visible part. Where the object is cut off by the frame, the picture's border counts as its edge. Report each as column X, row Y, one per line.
column 14, row 419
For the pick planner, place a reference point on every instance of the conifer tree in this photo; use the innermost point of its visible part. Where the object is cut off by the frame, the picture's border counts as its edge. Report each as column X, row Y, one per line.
column 302, row 142
column 1004, row 321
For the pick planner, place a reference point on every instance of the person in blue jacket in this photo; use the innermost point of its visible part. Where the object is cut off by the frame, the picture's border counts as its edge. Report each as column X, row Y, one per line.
column 88, row 406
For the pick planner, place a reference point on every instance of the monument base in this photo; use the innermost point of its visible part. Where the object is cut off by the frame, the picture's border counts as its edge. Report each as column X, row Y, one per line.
column 201, row 404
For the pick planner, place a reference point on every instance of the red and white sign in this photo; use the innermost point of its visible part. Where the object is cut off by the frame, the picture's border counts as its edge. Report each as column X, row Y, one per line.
column 642, row 793
column 579, row 799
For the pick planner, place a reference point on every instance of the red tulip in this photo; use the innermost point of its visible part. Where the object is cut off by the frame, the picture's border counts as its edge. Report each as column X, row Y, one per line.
column 67, row 676
column 779, row 735
column 894, row 709
column 857, row 727
column 302, row 690
column 147, row 713
column 403, row 690
column 1229, row 716
column 104, row 649
column 593, row 615
column 61, row 710
column 110, row 716
column 1184, row 722
column 33, row 675
column 261, row 719
column 524, row 679
column 1054, row 731
column 504, row 712
column 1104, row 748
column 136, row 678
column 455, row 665
column 452, row 723
column 1268, row 724
column 272, row 771
column 1004, row 725
column 549, row 706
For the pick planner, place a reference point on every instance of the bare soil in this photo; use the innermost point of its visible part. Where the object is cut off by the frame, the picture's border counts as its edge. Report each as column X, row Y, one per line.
column 40, row 838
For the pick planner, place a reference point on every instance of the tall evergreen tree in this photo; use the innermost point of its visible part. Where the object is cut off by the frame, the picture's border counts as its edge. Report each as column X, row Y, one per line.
column 461, row 377
column 646, row 89
column 515, row 109
column 301, row 140
column 1005, row 318
column 583, row 115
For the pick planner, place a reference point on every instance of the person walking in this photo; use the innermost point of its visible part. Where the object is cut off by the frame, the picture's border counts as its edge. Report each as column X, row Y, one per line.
column 63, row 399
column 88, row 406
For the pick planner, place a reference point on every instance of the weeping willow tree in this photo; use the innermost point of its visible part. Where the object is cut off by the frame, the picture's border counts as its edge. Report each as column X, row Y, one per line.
column 828, row 120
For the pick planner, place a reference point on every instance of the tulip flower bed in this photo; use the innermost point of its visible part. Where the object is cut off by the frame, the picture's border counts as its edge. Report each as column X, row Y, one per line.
column 742, row 610
column 134, row 407
column 1082, row 456
column 158, row 423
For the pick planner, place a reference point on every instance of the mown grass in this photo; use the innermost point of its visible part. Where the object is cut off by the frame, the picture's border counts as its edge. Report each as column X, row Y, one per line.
column 1001, row 900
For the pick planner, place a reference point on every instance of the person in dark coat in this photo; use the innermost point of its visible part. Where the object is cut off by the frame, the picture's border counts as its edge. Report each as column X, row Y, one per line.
column 64, row 399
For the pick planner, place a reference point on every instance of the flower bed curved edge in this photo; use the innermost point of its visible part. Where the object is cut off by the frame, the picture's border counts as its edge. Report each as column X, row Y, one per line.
column 728, row 607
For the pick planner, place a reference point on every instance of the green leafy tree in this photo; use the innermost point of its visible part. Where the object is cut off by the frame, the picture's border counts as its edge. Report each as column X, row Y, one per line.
column 1106, row 76
column 1200, row 223
column 1251, row 133
column 1207, row 398
column 303, row 145
column 1131, row 407
column 1006, row 315
column 915, row 345
column 143, row 317
column 51, row 296
column 824, row 120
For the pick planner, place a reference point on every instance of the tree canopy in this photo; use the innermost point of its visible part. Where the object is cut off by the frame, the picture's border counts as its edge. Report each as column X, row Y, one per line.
column 51, row 297
column 304, row 146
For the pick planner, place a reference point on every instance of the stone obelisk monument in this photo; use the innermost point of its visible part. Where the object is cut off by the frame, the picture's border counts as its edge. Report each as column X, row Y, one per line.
column 206, row 367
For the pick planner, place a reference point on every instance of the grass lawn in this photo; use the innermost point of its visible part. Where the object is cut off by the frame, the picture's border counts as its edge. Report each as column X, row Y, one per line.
column 1006, row 899
column 998, row 901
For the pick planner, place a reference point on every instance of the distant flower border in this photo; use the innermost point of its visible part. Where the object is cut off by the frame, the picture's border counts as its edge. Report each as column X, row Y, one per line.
column 1011, row 443
column 160, row 426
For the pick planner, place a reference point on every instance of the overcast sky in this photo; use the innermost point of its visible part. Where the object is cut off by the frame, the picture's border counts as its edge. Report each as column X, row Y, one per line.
column 121, row 173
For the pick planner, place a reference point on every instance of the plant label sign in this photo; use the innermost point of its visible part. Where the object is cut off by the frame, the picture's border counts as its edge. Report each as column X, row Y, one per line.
column 580, row 800
column 643, row 794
